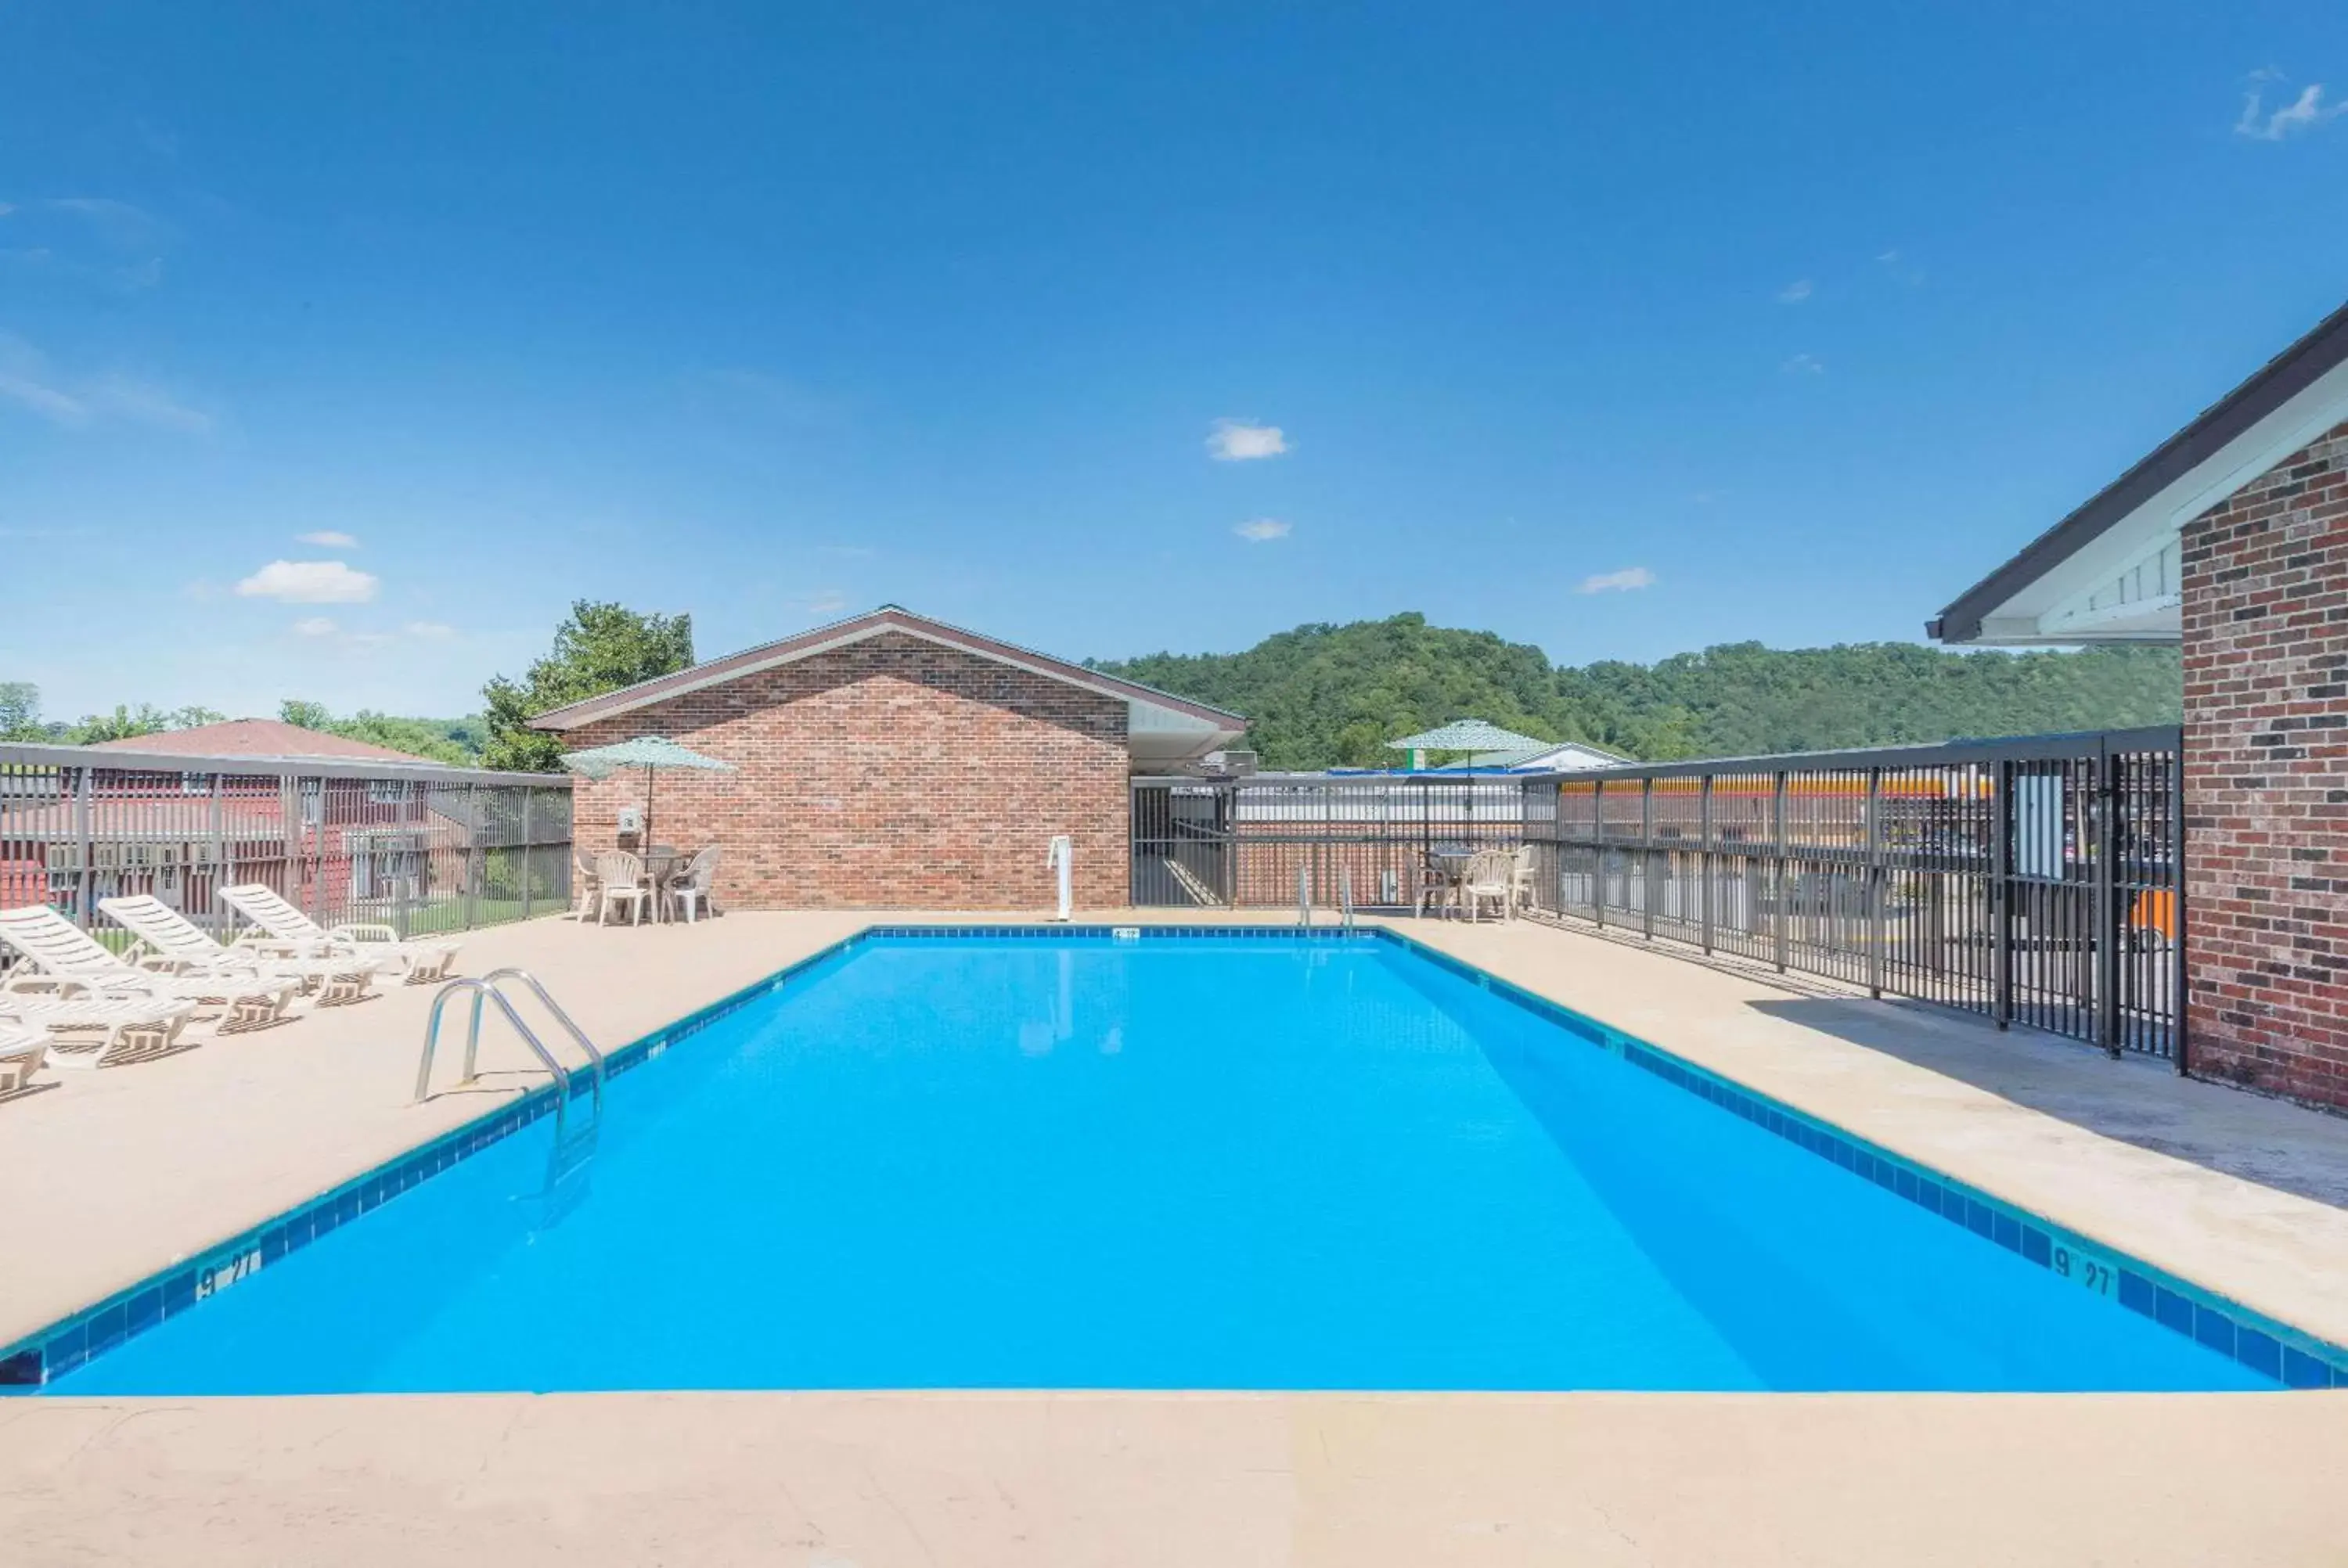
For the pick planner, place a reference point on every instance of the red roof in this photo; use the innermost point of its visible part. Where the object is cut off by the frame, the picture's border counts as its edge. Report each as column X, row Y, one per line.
column 255, row 738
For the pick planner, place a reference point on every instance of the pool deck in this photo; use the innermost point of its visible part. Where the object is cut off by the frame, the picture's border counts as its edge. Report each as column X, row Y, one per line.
column 122, row 1171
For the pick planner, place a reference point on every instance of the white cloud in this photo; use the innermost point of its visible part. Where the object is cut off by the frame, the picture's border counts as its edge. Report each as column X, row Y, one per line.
column 27, row 381
column 1794, row 292
column 1261, row 530
column 431, row 631
column 1888, row 257
column 2303, row 113
column 7, row 207
column 1628, row 580
column 144, row 402
column 1804, row 365
column 822, row 602
column 327, row 539
column 316, row 626
column 118, row 223
column 309, row 582
column 1239, row 440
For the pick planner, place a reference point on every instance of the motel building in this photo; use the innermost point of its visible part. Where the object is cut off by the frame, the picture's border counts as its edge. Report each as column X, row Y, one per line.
column 2231, row 539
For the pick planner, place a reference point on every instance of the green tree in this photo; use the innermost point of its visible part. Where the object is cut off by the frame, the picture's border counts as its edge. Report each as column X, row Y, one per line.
column 123, row 724
column 601, row 648
column 304, row 715
column 20, row 711
column 1323, row 695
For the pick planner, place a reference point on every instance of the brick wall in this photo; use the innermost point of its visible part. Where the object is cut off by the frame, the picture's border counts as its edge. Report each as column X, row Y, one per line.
column 892, row 773
column 2266, row 779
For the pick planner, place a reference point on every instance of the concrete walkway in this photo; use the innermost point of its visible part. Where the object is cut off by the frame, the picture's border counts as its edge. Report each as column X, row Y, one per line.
column 138, row 1166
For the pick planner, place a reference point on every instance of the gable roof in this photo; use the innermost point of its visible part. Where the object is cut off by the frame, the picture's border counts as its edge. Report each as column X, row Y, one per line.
column 253, row 738
column 2107, row 571
column 1200, row 726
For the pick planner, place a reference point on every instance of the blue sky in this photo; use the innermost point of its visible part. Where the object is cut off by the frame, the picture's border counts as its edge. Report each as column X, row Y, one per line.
column 1787, row 321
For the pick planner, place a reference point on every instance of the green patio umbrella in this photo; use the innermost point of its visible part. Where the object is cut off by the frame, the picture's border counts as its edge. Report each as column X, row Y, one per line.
column 649, row 753
column 1464, row 735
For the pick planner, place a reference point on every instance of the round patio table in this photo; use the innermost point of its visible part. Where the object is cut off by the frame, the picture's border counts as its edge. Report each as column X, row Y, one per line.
column 1448, row 863
column 662, row 862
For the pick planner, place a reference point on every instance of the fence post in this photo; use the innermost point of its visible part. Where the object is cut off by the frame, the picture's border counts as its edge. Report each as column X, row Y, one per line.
column 1647, row 858
column 1875, row 883
column 530, row 847
column 1778, row 870
column 2181, row 972
column 84, row 850
column 476, row 858
column 1598, row 851
column 2105, row 802
column 318, row 877
column 2001, row 894
column 1711, row 872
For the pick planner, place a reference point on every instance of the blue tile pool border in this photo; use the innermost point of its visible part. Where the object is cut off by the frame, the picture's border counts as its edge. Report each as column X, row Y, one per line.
column 2272, row 1349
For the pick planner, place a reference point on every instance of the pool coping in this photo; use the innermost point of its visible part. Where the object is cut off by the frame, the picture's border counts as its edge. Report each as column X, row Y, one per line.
column 2290, row 1357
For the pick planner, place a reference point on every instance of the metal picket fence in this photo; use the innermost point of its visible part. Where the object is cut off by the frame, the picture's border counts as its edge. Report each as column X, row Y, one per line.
column 421, row 848
column 2034, row 880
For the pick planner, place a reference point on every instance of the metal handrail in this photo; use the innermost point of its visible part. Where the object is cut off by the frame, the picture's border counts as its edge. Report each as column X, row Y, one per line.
column 473, row 1040
column 1304, row 896
column 1346, row 895
column 485, row 988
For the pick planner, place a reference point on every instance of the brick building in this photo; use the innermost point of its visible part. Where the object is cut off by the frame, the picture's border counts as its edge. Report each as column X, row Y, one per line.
column 892, row 761
column 2231, row 539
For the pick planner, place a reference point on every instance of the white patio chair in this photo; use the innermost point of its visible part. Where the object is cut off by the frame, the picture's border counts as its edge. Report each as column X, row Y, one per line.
column 180, row 943
column 689, row 889
column 23, row 1051
column 1487, row 881
column 1524, row 880
column 127, row 1026
column 587, row 892
column 621, row 877
column 283, row 929
column 57, row 947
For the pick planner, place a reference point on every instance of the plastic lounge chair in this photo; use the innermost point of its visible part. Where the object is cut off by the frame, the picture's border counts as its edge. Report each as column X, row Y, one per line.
column 23, row 1051
column 284, row 929
column 127, row 1026
column 57, row 947
column 621, row 877
column 689, row 889
column 180, row 943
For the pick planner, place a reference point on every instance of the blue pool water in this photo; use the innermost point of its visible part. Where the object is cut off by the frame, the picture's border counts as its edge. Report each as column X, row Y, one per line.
column 1197, row 1163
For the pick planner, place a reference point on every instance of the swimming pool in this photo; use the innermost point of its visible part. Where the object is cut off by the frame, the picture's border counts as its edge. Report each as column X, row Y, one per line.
column 1050, row 1160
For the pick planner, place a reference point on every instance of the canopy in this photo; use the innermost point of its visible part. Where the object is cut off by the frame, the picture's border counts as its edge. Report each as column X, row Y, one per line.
column 1468, row 735
column 643, row 752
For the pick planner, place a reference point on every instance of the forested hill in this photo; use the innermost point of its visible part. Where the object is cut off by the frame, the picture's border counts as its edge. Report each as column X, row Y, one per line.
column 1332, row 695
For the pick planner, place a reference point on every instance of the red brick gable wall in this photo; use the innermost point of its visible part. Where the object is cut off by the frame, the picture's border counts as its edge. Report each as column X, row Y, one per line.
column 2266, row 779
column 892, row 774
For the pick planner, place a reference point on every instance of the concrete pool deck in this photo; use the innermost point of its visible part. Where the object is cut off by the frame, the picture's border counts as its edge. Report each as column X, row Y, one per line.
column 135, row 1167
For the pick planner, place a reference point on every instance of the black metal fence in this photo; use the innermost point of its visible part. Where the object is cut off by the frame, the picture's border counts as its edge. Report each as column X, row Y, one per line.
column 2034, row 880
column 420, row 847
column 1242, row 843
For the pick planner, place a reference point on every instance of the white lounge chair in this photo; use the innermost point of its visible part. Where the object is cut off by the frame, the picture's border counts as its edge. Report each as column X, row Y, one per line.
column 23, row 1051
column 127, row 1026
column 57, row 947
column 285, row 931
column 1524, row 879
column 180, row 943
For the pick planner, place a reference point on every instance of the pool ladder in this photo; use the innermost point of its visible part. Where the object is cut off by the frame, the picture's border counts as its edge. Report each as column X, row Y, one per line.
column 1344, row 897
column 486, row 990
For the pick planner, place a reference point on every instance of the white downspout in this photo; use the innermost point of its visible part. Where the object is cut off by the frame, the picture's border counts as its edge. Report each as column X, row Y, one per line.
column 1061, row 858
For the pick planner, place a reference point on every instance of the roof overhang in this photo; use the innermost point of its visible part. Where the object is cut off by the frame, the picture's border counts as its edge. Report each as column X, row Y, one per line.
column 2109, row 572
column 1161, row 728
